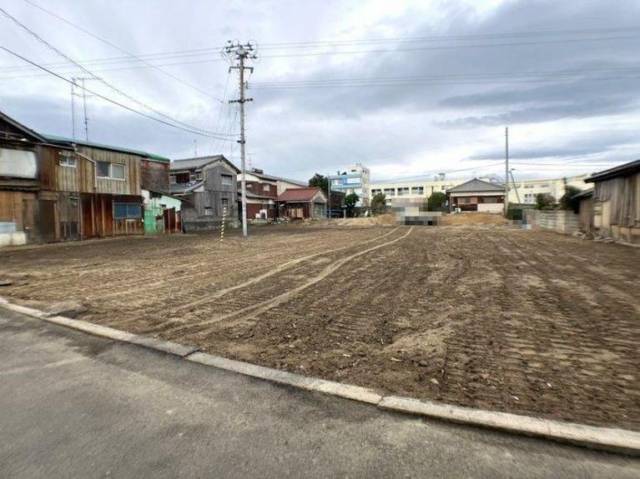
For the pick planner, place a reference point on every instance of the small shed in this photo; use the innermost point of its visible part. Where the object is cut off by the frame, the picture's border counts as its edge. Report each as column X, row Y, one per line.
column 477, row 195
column 616, row 202
column 302, row 203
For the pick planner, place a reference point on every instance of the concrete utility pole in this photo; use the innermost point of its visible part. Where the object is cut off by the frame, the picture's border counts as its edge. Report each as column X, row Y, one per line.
column 506, row 171
column 241, row 53
column 515, row 187
column 329, row 199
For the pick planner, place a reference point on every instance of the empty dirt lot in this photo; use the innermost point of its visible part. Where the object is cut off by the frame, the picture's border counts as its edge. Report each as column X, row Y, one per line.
column 491, row 317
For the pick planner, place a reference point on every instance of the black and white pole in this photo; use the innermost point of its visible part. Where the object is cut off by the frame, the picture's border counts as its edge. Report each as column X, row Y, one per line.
column 224, row 220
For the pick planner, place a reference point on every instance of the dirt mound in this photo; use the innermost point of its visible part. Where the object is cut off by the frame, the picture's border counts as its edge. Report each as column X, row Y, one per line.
column 386, row 219
column 473, row 218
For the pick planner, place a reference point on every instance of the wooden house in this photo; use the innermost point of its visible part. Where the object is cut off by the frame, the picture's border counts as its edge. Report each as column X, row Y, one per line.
column 56, row 189
column 302, row 203
column 477, row 195
column 207, row 187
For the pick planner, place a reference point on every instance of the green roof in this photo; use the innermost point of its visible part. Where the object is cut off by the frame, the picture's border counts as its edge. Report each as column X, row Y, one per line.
column 63, row 140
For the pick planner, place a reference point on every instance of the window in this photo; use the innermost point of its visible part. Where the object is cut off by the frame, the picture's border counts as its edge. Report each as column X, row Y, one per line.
column 126, row 211
column 389, row 192
column 225, row 203
column 417, row 190
column 403, row 191
column 103, row 168
column 117, row 171
column 67, row 160
column 208, row 211
column 375, row 191
column 226, row 180
column 114, row 171
column 266, row 188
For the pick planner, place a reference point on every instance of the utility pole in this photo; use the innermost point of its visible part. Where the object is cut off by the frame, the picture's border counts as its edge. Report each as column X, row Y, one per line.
column 73, row 109
column 241, row 53
column 75, row 85
column 84, row 107
column 515, row 187
column 329, row 191
column 506, row 171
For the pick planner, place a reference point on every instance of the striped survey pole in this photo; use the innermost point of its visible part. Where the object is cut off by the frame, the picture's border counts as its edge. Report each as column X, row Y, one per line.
column 224, row 220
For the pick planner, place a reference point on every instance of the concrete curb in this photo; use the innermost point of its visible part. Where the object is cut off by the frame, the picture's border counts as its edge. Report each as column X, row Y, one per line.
column 347, row 391
column 104, row 331
column 601, row 438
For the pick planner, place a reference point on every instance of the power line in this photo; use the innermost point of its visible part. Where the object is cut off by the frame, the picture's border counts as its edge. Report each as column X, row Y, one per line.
column 110, row 100
column 122, row 50
column 112, row 87
column 209, row 50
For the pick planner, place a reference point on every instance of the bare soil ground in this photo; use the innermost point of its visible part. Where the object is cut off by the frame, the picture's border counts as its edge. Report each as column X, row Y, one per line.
column 483, row 316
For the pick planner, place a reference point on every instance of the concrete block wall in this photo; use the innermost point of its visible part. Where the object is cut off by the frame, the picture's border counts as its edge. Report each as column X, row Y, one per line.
column 561, row 221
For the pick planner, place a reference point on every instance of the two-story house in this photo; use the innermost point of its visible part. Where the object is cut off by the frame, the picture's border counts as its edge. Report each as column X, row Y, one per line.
column 55, row 189
column 208, row 187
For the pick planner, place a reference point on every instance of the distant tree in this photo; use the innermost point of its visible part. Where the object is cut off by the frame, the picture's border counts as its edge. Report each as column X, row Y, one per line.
column 544, row 201
column 568, row 202
column 378, row 203
column 320, row 181
column 436, row 201
column 350, row 202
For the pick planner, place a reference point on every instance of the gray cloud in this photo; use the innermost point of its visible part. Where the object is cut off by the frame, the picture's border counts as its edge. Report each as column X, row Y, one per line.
column 295, row 132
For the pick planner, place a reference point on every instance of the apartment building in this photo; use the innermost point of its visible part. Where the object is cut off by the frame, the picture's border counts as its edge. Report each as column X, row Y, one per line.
column 354, row 179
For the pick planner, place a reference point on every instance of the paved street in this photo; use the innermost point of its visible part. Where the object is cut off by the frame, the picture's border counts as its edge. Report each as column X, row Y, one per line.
column 72, row 405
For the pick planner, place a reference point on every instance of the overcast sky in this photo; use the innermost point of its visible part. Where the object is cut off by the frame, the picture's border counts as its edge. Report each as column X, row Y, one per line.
column 408, row 88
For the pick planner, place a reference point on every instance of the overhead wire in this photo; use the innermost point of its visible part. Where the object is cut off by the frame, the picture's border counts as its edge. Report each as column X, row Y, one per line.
column 208, row 51
column 120, row 49
column 110, row 100
column 94, row 76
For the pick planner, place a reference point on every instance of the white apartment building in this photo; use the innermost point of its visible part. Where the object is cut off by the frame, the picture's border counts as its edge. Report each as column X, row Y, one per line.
column 354, row 179
column 415, row 192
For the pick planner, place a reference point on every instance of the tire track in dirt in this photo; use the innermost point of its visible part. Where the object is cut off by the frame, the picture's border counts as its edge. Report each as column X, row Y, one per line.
column 158, row 318
column 259, row 308
column 278, row 269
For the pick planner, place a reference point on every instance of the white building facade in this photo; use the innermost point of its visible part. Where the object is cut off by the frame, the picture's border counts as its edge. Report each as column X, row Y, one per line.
column 415, row 192
column 354, row 179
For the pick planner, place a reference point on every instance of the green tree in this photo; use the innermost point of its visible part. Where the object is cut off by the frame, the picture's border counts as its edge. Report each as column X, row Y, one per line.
column 378, row 203
column 350, row 202
column 544, row 201
column 568, row 202
column 436, row 201
column 320, row 181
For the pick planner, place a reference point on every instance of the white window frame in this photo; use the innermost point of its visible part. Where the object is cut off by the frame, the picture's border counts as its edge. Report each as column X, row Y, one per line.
column 67, row 161
column 111, row 177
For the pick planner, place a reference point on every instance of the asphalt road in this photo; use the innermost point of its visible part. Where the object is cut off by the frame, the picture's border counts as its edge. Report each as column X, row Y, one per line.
column 72, row 405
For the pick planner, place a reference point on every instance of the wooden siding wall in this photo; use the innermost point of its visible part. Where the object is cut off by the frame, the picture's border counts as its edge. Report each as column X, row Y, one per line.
column 11, row 207
column 130, row 185
column 622, row 194
column 55, row 177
